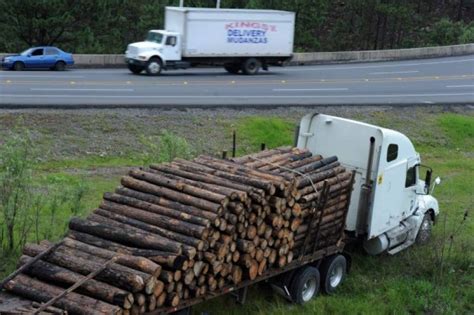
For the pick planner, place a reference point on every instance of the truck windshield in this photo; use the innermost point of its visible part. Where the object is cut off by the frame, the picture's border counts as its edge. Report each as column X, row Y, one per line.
column 154, row 37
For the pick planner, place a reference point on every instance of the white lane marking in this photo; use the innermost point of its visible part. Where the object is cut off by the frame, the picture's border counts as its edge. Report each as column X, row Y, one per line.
column 82, row 90
column 393, row 72
column 43, row 76
column 337, row 67
column 297, row 90
column 235, row 96
column 460, row 86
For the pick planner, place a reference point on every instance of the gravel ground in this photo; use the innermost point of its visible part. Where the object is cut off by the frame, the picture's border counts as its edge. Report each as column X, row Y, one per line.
column 71, row 134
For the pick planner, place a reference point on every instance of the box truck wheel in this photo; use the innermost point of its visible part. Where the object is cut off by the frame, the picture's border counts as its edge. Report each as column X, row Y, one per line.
column 232, row 68
column 154, row 66
column 251, row 66
column 304, row 284
column 424, row 233
column 135, row 69
column 333, row 271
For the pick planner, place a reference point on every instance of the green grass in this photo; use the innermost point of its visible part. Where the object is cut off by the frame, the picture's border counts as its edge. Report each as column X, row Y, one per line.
column 412, row 282
column 272, row 131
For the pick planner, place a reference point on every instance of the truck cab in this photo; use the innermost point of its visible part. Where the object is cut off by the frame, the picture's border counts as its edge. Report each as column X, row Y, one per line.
column 154, row 52
column 391, row 207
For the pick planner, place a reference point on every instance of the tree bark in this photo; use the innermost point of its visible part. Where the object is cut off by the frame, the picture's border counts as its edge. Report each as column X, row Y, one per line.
column 99, row 290
column 126, row 235
column 42, row 292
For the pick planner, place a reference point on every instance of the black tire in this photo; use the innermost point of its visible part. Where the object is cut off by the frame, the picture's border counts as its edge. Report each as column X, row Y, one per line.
column 424, row 233
column 60, row 66
column 154, row 66
column 333, row 272
column 232, row 68
column 135, row 69
column 251, row 66
column 304, row 285
column 18, row 66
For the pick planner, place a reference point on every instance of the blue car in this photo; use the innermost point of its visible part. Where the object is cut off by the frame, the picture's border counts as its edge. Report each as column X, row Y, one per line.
column 46, row 57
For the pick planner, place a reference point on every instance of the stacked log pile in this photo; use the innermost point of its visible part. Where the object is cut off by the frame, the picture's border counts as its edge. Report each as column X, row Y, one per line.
column 183, row 229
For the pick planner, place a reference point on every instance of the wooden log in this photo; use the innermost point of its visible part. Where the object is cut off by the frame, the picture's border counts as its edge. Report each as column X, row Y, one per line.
column 159, row 180
column 186, row 240
column 93, row 288
column 319, row 176
column 42, row 292
column 163, row 258
column 186, row 170
column 159, row 288
column 227, row 166
column 161, row 221
column 126, row 235
column 160, row 301
column 115, row 275
column 250, row 158
column 172, row 299
column 157, row 209
column 196, row 212
column 225, row 191
column 134, row 262
column 146, row 187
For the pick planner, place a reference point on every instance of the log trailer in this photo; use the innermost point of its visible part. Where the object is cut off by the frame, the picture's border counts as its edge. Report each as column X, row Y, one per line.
column 177, row 234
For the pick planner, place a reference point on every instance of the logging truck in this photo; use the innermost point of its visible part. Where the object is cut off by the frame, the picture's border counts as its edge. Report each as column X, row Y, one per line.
column 177, row 234
column 390, row 207
column 239, row 40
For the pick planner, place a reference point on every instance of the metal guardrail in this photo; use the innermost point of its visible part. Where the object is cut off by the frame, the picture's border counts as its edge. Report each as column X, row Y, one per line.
column 117, row 60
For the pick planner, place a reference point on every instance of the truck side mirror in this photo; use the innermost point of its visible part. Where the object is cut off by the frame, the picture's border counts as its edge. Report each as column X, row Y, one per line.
column 437, row 181
column 428, row 180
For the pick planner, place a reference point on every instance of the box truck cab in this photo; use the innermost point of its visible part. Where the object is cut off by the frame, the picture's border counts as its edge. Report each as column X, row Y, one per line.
column 391, row 206
column 237, row 39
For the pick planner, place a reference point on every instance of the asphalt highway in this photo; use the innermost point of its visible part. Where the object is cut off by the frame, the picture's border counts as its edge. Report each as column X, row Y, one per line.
column 429, row 81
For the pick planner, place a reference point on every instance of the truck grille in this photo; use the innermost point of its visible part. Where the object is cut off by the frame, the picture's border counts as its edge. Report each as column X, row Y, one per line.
column 132, row 50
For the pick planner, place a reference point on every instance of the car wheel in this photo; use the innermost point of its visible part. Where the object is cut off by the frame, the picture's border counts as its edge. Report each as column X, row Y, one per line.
column 135, row 69
column 251, row 66
column 18, row 66
column 60, row 66
column 424, row 233
column 154, row 66
column 232, row 68
column 304, row 285
column 333, row 272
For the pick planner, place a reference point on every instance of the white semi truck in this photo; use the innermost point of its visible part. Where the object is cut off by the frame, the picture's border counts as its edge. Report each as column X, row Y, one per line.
column 391, row 207
column 240, row 40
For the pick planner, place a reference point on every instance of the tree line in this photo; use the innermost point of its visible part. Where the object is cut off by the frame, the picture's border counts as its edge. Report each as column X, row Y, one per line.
column 107, row 26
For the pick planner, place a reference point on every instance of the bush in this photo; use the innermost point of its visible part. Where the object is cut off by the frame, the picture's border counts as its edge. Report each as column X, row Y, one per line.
column 165, row 148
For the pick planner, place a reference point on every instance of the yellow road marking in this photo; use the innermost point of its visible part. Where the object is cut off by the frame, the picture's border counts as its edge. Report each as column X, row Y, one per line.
column 249, row 82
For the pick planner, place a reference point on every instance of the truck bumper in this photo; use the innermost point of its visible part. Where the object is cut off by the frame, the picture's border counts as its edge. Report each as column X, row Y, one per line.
column 135, row 62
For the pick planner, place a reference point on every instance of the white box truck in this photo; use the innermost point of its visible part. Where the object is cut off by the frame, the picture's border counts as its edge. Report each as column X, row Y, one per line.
column 240, row 40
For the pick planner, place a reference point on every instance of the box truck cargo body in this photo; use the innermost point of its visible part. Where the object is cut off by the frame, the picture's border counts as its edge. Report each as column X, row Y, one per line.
column 240, row 40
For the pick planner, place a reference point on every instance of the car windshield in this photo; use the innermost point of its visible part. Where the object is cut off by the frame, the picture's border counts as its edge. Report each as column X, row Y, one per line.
column 26, row 52
column 154, row 37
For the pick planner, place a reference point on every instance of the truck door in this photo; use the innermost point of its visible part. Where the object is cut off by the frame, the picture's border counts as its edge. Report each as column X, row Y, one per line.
column 411, row 180
column 172, row 49
column 390, row 199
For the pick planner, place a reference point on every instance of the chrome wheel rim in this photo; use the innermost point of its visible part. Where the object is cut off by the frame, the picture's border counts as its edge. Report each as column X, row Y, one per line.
column 309, row 288
column 154, row 67
column 335, row 277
